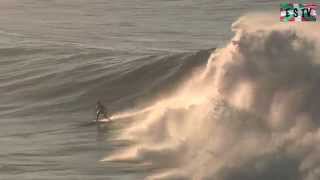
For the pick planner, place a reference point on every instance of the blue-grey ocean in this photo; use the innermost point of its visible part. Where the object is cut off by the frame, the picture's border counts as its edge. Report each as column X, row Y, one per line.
column 178, row 109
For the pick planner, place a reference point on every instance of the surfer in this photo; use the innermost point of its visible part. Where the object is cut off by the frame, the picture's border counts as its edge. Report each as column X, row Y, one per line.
column 101, row 110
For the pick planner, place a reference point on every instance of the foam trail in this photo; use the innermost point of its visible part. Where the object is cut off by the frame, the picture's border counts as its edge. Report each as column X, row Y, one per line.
column 127, row 114
column 252, row 113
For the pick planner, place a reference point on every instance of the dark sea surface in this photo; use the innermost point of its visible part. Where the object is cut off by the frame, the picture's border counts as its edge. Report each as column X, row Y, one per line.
column 57, row 58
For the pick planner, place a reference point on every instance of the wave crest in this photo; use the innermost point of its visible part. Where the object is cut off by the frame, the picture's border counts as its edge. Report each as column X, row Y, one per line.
column 252, row 113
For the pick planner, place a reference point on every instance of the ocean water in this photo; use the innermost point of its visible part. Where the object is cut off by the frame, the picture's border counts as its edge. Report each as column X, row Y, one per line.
column 187, row 103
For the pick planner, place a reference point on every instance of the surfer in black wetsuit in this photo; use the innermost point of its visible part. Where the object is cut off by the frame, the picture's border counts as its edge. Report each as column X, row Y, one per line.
column 101, row 110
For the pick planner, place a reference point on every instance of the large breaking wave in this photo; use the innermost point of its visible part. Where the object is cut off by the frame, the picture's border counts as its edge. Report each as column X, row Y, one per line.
column 251, row 113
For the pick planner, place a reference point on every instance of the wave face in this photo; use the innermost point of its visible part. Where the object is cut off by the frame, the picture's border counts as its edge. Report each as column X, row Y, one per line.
column 49, row 91
column 251, row 113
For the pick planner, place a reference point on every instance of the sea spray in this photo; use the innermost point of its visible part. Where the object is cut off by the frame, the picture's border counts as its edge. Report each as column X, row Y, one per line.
column 252, row 113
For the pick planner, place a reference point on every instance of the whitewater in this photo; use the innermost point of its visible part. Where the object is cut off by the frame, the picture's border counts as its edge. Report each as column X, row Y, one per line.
column 250, row 113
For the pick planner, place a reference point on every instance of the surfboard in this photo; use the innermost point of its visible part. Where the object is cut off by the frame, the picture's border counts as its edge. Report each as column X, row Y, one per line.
column 105, row 120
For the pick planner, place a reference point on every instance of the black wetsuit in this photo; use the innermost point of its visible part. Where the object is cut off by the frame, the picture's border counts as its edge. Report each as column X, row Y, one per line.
column 101, row 110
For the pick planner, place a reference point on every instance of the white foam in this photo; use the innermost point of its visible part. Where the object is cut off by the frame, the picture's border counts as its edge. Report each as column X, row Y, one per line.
column 252, row 113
